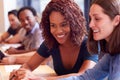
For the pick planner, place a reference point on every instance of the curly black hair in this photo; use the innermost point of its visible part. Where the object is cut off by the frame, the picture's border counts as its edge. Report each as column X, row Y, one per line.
column 72, row 13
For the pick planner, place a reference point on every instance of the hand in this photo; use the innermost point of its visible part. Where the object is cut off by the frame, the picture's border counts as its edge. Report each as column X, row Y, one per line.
column 13, row 75
column 8, row 60
column 11, row 50
column 0, row 39
column 21, row 74
column 24, row 74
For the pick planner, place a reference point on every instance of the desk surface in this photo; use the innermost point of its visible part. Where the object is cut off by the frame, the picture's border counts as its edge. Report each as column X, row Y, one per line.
column 42, row 70
column 4, row 46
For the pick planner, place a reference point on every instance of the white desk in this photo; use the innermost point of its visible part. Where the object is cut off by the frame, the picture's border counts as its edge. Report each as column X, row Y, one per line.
column 5, row 70
column 4, row 47
column 42, row 70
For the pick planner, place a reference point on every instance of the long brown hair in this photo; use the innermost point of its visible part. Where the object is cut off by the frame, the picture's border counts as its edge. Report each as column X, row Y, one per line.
column 111, row 8
column 72, row 13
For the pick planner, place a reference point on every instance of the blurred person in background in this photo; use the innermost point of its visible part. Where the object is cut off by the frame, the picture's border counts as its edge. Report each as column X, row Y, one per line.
column 13, row 30
column 31, row 41
column 33, row 37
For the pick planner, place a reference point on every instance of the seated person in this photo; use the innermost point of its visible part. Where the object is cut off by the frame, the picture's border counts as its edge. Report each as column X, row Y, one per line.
column 22, row 58
column 16, row 58
column 13, row 30
column 105, row 31
column 33, row 38
column 64, row 34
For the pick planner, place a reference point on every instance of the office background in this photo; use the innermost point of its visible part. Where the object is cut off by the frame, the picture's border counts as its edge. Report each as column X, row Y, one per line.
column 39, row 5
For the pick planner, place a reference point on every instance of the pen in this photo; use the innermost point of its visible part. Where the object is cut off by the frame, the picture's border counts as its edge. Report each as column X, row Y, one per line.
column 12, row 77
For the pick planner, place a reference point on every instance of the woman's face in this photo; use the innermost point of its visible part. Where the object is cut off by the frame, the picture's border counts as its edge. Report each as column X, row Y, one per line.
column 100, row 23
column 14, row 22
column 59, row 27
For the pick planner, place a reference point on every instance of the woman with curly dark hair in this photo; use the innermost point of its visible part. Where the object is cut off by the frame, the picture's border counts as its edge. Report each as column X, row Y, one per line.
column 64, row 33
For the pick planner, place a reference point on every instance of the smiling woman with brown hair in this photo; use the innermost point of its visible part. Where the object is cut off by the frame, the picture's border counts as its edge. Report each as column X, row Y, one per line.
column 104, row 37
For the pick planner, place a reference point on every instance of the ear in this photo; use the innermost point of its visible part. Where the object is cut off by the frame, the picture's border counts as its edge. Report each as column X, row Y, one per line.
column 116, row 20
column 36, row 17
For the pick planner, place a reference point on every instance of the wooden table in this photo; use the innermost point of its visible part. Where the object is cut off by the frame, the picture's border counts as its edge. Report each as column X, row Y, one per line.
column 43, row 70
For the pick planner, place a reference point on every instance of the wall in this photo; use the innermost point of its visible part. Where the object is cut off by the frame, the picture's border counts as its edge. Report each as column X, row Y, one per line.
column 5, row 6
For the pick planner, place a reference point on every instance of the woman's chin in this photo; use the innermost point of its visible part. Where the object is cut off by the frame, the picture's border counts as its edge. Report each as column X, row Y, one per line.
column 96, row 39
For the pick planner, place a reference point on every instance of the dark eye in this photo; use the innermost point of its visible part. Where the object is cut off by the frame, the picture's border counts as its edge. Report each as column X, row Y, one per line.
column 97, row 19
column 52, row 25
column 64, row 24
column 28, row 18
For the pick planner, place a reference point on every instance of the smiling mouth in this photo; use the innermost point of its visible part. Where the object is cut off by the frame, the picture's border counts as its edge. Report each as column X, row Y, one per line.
column 95, row 31
column 60, row 36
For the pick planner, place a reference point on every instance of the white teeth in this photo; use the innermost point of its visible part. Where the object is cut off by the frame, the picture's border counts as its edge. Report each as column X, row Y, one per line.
column 59, row 36
column 95, row 30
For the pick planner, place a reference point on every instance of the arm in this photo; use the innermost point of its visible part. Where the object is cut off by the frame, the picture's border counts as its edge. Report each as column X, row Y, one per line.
column 12, row 50
column 27, row 67
column 4, row 36
column 34, row 62
column 87, row 64
column 99, row 72
column 17, row 59
column 18, row 37
column 15, row 39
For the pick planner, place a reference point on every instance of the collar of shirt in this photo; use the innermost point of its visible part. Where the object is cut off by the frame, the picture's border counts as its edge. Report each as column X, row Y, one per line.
column 36, row 26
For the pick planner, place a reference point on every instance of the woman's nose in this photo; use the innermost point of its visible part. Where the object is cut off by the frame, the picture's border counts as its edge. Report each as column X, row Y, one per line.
column 58, row 29
column 91, row 24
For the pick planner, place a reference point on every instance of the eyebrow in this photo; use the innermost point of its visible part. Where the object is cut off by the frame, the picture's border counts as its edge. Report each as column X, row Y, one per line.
column 64, row 21
column 95, row 14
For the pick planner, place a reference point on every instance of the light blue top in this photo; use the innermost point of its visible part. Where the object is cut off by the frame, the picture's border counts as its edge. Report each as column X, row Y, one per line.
column 107, row 66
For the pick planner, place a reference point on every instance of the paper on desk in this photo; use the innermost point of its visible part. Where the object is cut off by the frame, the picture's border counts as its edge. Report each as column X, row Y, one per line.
column 7, row 46
column 12, row 45
column 4, row 47
column 10, row 68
